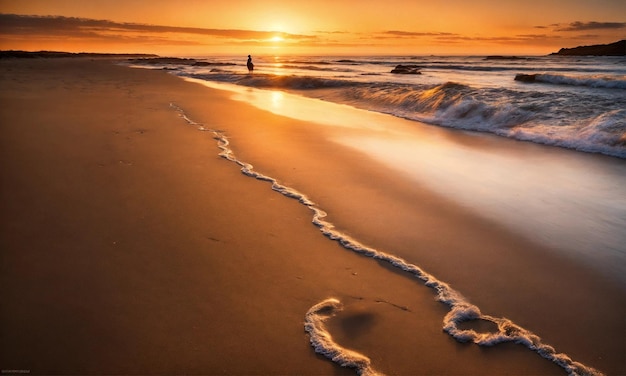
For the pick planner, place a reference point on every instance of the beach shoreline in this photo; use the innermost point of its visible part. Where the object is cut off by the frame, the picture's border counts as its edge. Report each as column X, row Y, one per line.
column 130, row 239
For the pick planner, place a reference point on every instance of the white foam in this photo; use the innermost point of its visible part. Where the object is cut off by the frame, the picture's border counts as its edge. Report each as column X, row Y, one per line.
column 323, row 343
column 590, row 81
column 460, row 309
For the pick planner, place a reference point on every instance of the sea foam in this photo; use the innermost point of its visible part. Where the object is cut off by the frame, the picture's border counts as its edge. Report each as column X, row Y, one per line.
column 461, row 310
column 322, row 340
column 561, row 79
column 546, row 115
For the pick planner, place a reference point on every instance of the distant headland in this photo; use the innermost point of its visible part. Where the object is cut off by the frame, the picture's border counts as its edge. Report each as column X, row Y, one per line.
column 612, row 49
column 41, row 54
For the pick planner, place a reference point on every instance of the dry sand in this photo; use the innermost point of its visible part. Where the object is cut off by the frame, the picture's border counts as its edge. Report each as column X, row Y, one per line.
column 130, row 247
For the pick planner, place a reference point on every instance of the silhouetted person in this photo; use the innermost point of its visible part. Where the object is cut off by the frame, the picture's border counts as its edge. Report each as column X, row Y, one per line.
column 249, row 64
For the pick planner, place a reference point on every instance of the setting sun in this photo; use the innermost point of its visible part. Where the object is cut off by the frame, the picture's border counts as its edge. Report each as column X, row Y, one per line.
column 277, row 38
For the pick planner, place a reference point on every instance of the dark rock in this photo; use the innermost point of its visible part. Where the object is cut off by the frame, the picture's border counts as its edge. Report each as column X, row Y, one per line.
column 406, row 69
column 612, row 49
column 526, row 77
column 500, row 57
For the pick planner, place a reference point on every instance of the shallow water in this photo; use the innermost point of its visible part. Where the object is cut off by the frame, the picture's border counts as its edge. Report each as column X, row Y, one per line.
column 572, row 202
column 572, row 102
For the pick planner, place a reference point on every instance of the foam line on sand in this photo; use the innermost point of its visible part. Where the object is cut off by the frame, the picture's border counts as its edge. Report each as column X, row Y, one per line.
column 460, row 309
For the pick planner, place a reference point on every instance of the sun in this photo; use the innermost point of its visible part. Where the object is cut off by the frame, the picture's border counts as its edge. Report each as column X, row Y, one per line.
column 277, row 38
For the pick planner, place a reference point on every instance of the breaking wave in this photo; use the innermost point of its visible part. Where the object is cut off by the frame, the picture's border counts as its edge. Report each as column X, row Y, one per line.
column 316, row 68
column 291, row 82
column 560, row 79
column 451, row 104
column 460, row 309
column 529, row 115
column 523, row 115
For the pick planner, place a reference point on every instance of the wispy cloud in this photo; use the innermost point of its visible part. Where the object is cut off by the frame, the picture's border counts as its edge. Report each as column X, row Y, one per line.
column 332, row 32
column 448, row 38
column 593, row 25
column 13, row 24
column 413, row 34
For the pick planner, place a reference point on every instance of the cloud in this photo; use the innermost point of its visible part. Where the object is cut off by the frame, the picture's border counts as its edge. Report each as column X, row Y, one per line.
column 13, row 24
column 593, row 25
column 411, row 34
column 332, row 32
column 454, row 38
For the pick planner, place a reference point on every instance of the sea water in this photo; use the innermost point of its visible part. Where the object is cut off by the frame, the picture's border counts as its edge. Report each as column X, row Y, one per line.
column 573, row 102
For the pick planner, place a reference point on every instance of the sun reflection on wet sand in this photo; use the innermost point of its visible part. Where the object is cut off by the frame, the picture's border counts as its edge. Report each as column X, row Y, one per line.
column 564, row 199
column 277, row 99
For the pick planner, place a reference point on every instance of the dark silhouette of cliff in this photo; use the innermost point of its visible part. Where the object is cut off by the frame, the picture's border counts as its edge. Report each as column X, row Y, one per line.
column 55, row 54
column 612, row 49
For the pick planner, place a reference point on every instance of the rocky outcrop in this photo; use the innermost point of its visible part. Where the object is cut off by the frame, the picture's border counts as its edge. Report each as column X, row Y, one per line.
column 501, row 57
column 612, row 49
column 525, row 77
column 406, row 69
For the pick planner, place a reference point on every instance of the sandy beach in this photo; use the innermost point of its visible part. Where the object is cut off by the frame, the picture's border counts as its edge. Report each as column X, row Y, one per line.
column 129, row 246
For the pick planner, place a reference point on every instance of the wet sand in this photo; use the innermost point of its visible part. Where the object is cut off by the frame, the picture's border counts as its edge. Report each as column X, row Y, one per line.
column 131, row 247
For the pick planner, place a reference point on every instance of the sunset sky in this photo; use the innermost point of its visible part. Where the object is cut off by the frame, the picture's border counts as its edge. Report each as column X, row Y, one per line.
column 339, row 27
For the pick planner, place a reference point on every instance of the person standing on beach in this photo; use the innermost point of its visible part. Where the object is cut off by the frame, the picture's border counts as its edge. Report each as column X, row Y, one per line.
column 250, row 65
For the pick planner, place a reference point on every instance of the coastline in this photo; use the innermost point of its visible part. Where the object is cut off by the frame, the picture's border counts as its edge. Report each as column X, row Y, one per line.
column 122, row 222
column 505, row 273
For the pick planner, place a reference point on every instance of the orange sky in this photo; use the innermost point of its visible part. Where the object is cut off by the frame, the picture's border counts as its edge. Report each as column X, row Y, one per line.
column 339, row 27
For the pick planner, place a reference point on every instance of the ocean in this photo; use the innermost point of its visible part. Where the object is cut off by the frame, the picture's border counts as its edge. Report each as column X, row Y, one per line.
column 571, row 201
column 572, row 102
